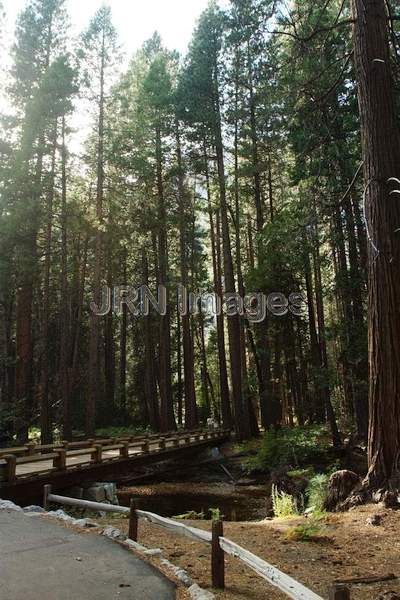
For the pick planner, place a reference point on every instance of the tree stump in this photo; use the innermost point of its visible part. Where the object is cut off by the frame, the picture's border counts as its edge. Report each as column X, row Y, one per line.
column 341, row 485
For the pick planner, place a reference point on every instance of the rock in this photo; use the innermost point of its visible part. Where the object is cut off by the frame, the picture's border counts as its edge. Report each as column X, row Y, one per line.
column 135, row 546
column 111, row 492
column 197, row 593
column 75, row 492
column 388, row 596
column 85, row 523
column 60, row 514
column 33, row 509
column 153, row 552
column 113, row 533
column 374, row 520
column 95, row 494
column 178, row 572
column 8, row 505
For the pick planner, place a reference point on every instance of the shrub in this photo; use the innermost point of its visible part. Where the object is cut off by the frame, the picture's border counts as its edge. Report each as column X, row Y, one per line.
column 317, row 491
column 296, row 448
column 306, row 532
column 284, row 505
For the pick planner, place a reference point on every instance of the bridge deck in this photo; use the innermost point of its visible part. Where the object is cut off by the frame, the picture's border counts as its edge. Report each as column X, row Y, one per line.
column 23, row 473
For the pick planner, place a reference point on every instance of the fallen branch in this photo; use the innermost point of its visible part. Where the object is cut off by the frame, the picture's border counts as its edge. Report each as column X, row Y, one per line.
column 367, row 579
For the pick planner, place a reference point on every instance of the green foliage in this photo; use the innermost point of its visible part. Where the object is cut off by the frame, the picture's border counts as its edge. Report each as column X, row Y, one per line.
column 115, row 432
column 290, row 447
column 215, row 514
column 284, row 505
column 316, row 492
column 191, row 515
column 301, row 473
column 306, row 532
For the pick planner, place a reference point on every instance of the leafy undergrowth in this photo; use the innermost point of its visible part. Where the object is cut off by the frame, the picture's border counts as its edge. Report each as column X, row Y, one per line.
column 293, row 448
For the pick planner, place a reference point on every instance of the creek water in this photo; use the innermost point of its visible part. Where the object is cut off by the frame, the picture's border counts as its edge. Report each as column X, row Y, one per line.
column 234, row 503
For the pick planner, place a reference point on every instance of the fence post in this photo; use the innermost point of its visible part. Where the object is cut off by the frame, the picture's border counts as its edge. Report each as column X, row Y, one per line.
column 97, row 454
column 31, row 448
column 217, row 556
column 124, row 452
column 133, row 522
column 60, row 463
column 339, row 591
column 11, row 467
column 46, row 492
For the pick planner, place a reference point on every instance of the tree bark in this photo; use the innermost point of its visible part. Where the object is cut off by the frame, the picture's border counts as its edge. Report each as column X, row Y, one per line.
column 380, row 141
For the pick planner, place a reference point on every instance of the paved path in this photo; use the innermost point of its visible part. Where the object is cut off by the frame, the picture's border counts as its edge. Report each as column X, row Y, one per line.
column 42, row 560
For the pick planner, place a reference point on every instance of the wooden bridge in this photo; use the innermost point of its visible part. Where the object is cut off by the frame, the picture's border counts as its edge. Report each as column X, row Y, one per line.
column 25, row 469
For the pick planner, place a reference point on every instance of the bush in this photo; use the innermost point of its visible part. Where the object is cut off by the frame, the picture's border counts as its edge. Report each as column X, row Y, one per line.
column 304, row 533
column 317, row 491
column 296, row 448
column 284, row 505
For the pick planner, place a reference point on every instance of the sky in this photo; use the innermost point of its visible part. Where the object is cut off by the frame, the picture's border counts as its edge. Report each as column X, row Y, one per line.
column 135, row 20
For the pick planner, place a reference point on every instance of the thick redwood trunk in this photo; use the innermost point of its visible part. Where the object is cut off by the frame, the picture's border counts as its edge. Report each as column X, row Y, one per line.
column 380, row 139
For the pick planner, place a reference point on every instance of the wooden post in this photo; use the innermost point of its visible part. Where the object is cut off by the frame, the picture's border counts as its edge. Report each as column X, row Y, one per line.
column 97, row 454
column 133, row 522
column 11, row 467
column 124, row 452
column 217, row 556
column 31, row 448
column 145, row 447
column 60, row 463
column 46, row 492
column 339, row 591
column 161, row 444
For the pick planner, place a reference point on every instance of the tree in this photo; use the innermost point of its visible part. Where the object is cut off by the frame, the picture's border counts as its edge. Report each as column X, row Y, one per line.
column 380, row 141
column 98, row 51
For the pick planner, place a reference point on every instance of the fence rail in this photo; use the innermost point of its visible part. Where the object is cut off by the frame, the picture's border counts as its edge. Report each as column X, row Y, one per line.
column 219, row 547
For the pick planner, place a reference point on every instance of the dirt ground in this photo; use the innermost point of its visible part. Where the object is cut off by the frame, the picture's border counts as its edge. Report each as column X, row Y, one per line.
column 348, row 547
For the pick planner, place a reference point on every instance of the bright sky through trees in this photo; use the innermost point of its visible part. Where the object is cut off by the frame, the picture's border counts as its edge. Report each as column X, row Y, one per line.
column 134, row 20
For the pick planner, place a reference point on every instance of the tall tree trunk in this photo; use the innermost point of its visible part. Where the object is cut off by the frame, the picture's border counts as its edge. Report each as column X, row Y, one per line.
column 241, row 408
column 150, row 375
column 191, row 419
column 167, row 418
column 45, row 416
column 65, row 341
column 94, row 342
column 226, row 413
column 380, row 139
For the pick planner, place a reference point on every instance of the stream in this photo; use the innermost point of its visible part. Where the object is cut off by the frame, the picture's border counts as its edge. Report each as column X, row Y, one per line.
column 234, row 502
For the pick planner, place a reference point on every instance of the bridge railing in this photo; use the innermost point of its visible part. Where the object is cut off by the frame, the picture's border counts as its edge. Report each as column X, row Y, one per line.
column 220, row 546
column 69, row 456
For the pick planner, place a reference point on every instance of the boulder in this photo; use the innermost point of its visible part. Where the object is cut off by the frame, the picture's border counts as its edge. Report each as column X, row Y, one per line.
column 33, row 509
column 197, row 593
column 8, row 505
column 95, row 494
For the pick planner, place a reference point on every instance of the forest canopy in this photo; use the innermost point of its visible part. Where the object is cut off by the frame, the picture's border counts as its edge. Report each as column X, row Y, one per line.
column 265, row 160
